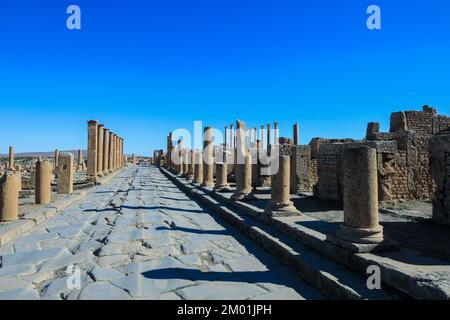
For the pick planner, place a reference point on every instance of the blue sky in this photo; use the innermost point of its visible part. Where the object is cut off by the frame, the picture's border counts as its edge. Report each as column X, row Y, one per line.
column 146, row 67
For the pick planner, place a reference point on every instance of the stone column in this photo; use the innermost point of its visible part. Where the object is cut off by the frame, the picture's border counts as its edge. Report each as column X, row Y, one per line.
column 65, row 173
column 43, row 182
column 186, row 162
column 256, row 163
column 100, row 151
column 198, row 167
column 11, row 158
column 275, row 133
column 296, row 135
column 261, row 136
column 191, row 170
column 222, row 172
column 361, row 216
column 280, row 204
column 208, row 158
column 105, row 151
column 56, row 158
column 121, row 153
column 231, row 136
column 116, row 150
column 111, row 152
column 268, row 137
column 9, row 196
column 92, row 150
column 226, row 136
column 80, row 157
column 180, row 167
column 243, row 167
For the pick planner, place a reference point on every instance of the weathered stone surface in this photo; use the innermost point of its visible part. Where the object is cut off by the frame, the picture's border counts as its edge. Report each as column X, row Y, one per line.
column 361, row 216
column 65, row 173
column 9, row 196
column 92, row 150
column 43, row 180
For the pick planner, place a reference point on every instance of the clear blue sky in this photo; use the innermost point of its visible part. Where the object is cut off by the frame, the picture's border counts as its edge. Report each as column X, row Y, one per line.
column 145, row 67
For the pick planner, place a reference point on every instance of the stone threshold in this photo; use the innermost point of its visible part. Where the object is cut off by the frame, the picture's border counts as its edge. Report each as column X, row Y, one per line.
column 36, row 214
column 404, row 270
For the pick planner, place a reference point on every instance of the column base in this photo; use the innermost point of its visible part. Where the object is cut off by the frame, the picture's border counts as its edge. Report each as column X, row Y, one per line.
column 222, row 188
column 100, row 174
column 189, row 177
column 361, row 235
column 207, row 184
column 197, row 181
column 361, row 240
column 281, row 209
column 105, row 173
column 243, row 196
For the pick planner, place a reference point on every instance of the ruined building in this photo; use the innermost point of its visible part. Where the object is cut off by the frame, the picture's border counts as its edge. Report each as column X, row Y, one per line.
column 402, row 155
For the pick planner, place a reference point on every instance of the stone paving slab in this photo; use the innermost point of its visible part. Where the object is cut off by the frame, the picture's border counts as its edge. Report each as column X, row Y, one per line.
column 139, row 237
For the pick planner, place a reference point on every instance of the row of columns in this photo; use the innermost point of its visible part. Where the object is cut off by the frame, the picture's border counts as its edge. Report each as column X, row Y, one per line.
column 361, row 216
column 105, row 151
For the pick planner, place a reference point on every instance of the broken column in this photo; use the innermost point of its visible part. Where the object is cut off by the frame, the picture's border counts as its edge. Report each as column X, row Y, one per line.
column 361, row 216
column 11, row 158
column 296, row 135
column 100, row 150
column 280, row 203
column 105, row 151
column 198, row 167
column 222, row 172
column 43, row 182
column 243, row 168
column 92, row 150
column 9, row 196
column 65, row 173
column 56, row 158
column 208, row 158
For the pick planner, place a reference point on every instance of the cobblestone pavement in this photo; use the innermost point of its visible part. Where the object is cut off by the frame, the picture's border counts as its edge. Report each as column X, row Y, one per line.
column 139, row 237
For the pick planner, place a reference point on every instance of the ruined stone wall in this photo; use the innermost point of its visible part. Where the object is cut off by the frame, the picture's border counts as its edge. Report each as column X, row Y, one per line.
column 329, row 187
column 314, row 163
column 411, row 130
column 440, row 123
column 300, row 169
column 420, row 121
column 329, row 169
column 313, row 173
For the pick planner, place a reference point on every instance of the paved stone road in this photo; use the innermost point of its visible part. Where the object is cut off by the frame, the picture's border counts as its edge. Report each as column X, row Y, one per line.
column 139, row 237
